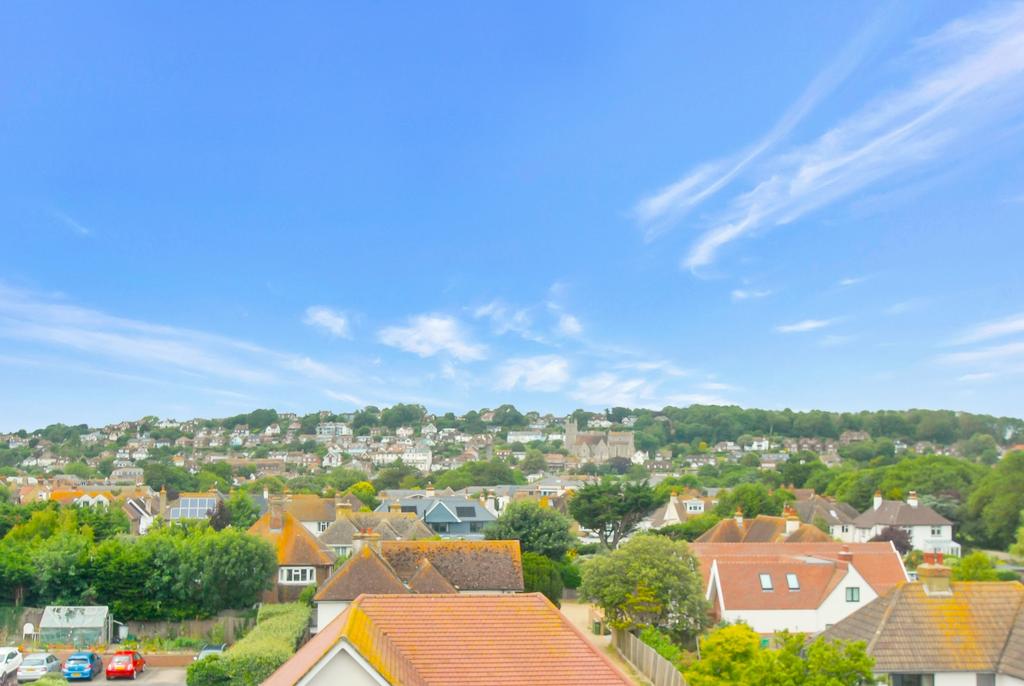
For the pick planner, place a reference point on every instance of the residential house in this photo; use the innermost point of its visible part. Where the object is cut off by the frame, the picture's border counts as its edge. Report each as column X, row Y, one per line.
column 763, row 529
column 140, row 517
column 798, row 587
column 127, row 475
column 191, row 505
column 449, row 640
column 837, row 516
column 404, row 567
column 301, row 559
column 929, row 531
column 937, row 632
column 848, row 437
column 448, row 516
column 524, row 437
column 341, row 535
column 678, row 509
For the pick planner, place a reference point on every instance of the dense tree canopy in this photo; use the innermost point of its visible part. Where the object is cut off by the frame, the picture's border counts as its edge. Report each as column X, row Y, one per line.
column 650, row 580
column 994, row 508
column 734, row 655
column 538, row 530
column 612, row 508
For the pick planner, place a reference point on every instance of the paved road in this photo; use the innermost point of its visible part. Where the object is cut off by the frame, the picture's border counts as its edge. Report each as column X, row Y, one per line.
column 160, row 676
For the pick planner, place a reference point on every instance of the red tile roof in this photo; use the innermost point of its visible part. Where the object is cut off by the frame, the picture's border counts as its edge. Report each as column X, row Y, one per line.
column 761, row 529
column 878, row 563
column 460, row 640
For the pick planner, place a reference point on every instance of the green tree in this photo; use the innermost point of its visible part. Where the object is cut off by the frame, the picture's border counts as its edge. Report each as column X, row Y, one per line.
column 541, row 575
column 1017, row 549
column 993, row 509
column 976, row 566
column 366, row 493
column 611, row 508
column 533, row 462
column 244, row 512
column 733, row 655
column 691, row 529
column 752, row 499
column 650, row 580
column 538, row 529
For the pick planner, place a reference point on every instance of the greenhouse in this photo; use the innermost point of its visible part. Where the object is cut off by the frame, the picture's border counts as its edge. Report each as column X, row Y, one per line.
column 79, row 626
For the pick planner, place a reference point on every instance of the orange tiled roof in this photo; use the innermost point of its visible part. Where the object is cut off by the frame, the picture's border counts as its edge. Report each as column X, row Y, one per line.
column 740, row 584
column 293, row 542
column 878, row 563
column 310, row 508
column 441, row 640
column 760, row 529
column 428, row 580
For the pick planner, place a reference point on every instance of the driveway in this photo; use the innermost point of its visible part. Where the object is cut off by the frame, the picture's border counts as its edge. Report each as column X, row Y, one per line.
column 162, row 676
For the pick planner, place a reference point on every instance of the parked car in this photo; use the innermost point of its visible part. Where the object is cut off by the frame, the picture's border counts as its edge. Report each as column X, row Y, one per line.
column 210, row 649
column 37, row 665
column 126, row 664
column 10, row 659
column 82, row 666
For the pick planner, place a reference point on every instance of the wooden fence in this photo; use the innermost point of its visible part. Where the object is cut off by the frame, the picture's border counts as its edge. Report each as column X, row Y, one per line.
column 646, row 660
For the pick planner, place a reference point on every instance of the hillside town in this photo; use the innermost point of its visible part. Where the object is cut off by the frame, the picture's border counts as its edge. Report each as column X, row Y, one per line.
column 522, row 517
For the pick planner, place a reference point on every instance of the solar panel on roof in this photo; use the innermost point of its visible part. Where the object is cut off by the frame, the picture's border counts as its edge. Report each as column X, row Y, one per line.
column 463, row 511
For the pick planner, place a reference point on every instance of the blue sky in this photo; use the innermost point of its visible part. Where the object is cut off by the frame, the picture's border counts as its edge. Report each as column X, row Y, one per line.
column 211, row 207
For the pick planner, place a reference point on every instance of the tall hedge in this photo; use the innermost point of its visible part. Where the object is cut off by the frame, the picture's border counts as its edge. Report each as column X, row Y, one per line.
column 278, row 631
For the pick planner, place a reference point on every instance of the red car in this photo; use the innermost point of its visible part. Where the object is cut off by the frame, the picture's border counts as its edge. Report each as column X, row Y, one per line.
column 126, row 664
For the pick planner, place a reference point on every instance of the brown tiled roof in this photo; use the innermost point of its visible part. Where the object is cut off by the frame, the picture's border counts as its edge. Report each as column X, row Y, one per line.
column 310, row 508
column 878, row 563
column 428, row 580
column 976, row 629
column 390, row 526
column 468, row 565
column 833, row 512
column 439, row 640
column 761, row 529
column 294, row 544
column 364, row 572
column 899, row 513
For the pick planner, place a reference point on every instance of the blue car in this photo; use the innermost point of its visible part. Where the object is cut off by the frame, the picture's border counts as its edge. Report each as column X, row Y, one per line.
column 82, row 666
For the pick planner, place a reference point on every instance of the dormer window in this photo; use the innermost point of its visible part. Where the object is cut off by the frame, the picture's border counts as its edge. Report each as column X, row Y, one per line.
column 792, row 582
column 766, row 582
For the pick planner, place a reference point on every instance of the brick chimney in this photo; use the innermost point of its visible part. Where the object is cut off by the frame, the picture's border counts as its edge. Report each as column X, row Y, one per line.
column 845, row 555
column 878, row 500
column 395, row 507
column 912, row 499
column 934, row 576
column 276, row 513
column 738, row 517
column 430, row 491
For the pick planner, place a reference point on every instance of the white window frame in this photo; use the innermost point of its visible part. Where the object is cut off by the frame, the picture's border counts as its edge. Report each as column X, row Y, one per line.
column 296, row 576
column 853, row 591
column 322, row 526
column 937, row 530
column 792, row 582
column 766, row 581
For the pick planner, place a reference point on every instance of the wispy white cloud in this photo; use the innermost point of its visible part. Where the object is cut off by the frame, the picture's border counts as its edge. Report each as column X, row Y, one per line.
column 989, row 354
column 968, row 80
column 976, row 376
column 716, row 386
column 539, row 373
column 903, row 307
column 72, row 224
column 569, row 325
column 741, row 294
column 805, row 325
column 1013, row 324
column 835, row 340
column 657, row 212
column 662, row 367
column 851, row 281
column 427, row 335
column 351, row 400
column 331, row 321
column 607, row 389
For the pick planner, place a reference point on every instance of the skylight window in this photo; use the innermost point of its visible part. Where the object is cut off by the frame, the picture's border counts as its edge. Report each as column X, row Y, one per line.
column 792, row 582
column 766, row 582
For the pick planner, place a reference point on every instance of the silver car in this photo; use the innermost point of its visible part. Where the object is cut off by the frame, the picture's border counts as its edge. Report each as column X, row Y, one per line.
column 37, row 665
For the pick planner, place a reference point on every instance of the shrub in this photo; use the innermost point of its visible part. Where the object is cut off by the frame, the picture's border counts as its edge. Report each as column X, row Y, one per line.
column 542, row 575
column 664, row 646
column 571, row 576
column 279, row 628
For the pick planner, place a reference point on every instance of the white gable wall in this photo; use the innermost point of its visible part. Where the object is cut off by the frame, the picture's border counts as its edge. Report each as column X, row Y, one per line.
column 327, row 610
column 342, row 665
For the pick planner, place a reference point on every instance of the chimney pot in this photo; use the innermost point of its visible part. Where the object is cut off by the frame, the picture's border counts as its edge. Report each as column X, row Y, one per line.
column 845, row 555
column 739, row 516
column 878, row 500
column 912, row 499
